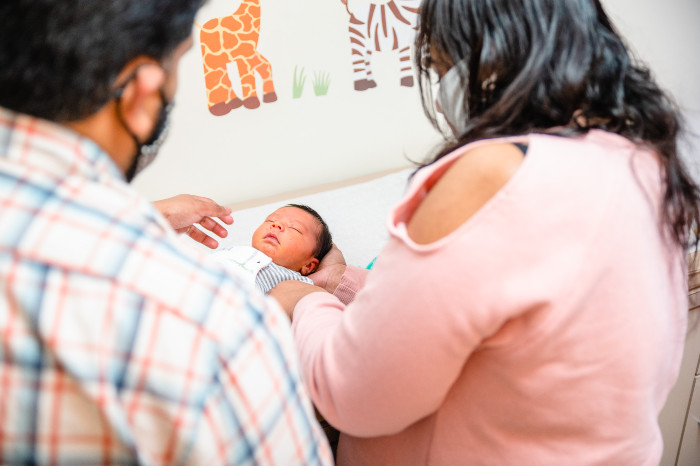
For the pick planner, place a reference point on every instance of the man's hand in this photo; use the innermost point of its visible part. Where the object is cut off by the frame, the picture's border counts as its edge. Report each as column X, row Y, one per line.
column 330, row 270
column 185, row 210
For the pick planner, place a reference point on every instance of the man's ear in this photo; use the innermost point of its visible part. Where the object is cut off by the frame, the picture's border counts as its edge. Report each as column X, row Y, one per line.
column 309, row 267
column 140, row 99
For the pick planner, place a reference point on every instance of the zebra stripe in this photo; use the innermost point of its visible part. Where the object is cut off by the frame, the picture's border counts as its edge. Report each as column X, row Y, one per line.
column 377, row 28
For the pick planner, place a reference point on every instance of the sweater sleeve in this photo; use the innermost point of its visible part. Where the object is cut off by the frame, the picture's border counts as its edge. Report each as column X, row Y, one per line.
column 387, row 359
column 350, row 283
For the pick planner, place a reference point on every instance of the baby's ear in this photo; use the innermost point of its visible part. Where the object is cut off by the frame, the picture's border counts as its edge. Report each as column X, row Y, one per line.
column 309, row 267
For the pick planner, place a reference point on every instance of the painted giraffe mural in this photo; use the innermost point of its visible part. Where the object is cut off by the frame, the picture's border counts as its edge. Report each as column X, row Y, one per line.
column 375, row 28
column 234, row 39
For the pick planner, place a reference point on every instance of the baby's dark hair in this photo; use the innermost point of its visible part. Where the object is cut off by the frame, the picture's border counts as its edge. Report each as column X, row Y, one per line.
column 324, row 240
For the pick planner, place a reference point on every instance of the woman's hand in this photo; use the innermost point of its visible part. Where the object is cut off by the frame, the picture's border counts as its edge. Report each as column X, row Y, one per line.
column 289, row 293
column 184, row 210
column 330, row 270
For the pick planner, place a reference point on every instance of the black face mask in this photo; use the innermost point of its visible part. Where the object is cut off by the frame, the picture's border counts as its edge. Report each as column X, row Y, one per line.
column 147, row 151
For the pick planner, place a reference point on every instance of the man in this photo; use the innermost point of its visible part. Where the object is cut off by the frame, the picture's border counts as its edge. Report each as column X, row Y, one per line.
column 117, row 343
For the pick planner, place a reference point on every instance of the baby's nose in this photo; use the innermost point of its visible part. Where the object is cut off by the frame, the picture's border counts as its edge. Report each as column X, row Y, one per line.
column 278, row 226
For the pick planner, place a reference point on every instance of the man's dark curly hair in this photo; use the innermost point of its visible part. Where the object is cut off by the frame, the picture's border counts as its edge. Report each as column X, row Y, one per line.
column 59, row 59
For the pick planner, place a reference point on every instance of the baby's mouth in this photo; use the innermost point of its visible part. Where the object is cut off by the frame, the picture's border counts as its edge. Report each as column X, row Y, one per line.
column 272, row 237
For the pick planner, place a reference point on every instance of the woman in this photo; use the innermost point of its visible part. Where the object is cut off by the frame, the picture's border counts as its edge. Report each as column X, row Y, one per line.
column 530, row 304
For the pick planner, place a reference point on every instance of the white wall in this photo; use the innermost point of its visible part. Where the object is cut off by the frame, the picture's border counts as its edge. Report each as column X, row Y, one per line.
column 291, row 143
column 295, row 143
column 665, row 34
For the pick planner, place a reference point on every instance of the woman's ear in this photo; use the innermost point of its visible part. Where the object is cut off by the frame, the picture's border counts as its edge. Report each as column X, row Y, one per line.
column 141, row 97
column 310, row 267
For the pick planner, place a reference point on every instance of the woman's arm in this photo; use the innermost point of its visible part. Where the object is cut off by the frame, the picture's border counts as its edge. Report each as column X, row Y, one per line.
column 344, row 281
column 351, row 282
column 389, row 358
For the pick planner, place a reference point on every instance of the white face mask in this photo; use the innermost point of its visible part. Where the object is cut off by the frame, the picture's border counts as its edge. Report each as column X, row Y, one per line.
column 450, row 97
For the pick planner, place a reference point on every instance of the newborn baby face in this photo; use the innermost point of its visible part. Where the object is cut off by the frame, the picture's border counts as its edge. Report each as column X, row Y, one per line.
column 289, row 236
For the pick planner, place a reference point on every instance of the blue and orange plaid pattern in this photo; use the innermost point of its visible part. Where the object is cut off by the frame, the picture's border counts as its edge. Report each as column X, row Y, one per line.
column 120, row 344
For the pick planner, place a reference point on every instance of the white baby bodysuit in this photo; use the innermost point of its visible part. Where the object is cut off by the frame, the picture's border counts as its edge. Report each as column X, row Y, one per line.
column 257, row 268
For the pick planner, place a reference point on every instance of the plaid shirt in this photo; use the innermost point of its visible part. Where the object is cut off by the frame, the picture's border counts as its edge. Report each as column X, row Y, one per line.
column 120, row 344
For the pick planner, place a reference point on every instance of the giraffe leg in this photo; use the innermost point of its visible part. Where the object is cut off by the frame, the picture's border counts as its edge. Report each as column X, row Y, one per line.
column 220, row 96
column 245, row 71
column 262, row 66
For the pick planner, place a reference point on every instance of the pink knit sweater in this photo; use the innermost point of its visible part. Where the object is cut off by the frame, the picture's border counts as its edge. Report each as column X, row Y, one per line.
column 547, row 329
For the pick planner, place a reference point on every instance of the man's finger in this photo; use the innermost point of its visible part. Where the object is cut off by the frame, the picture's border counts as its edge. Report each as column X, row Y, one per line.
column 201, row 237
column 211, row 225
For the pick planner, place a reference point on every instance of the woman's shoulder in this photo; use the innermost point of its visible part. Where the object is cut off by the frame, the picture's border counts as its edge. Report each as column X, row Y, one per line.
column 456, row 187
column 465, row 186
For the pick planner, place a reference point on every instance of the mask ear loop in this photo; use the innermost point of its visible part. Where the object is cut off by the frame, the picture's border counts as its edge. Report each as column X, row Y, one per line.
column 118, row 93
column 149, row 149
column 146, row 151
column 451, row 97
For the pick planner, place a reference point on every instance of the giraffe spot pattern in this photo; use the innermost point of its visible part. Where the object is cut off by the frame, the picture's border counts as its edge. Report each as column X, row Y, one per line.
column 234, row 39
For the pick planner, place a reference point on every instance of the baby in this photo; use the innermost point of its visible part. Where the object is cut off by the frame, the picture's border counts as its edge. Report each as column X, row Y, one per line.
column 288, row 245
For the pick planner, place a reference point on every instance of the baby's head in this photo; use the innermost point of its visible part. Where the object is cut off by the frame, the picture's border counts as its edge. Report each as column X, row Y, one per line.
column 294, row 236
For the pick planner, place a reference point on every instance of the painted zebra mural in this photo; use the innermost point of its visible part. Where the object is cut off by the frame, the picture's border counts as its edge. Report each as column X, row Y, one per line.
column 379, row 27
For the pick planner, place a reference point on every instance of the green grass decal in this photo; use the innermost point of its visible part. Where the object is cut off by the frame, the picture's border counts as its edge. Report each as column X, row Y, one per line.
column 322, row 82
column 298, row 83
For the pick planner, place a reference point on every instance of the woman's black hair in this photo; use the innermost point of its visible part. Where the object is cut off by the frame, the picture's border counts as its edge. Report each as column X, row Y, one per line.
column 324, row 240
column 557, row 67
